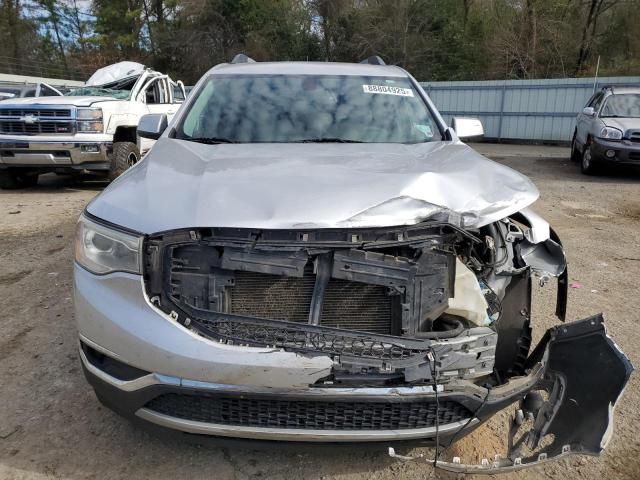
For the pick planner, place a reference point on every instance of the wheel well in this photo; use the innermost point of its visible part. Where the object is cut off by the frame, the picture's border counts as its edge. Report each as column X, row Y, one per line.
column 125, row 134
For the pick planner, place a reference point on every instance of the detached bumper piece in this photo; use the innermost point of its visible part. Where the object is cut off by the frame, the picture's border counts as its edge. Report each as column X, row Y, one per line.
column 585, row 374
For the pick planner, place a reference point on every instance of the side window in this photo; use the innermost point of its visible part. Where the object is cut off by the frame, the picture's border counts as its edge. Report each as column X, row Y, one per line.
column 595, row 101
column 47, row 92
column 30, row 93
column 155, row 92
column 598, row 102
column 592, row 99
column 178, row 94
column 192, row 124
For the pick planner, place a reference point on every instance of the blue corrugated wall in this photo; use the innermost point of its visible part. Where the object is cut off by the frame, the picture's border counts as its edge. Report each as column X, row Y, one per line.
column 532, row 110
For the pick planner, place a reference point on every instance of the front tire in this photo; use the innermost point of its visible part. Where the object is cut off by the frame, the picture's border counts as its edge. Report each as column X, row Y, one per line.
column 575, row 153
column 125, row 155
column 11, row 180
column 588, row 166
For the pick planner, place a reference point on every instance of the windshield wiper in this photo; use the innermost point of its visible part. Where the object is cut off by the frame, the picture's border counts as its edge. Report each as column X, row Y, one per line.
column 326, row 140
column 209, row 140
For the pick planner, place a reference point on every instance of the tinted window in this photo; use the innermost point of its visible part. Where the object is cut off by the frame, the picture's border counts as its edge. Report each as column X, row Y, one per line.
column 279, row 108
column 622, row 105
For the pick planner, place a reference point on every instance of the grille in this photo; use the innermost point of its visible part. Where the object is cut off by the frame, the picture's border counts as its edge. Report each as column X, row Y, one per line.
column 47, row 121
column 348, row 305
column 308, row 415
column 35, row 128
column 19, row 112
column 634, row 155
column 634, row 136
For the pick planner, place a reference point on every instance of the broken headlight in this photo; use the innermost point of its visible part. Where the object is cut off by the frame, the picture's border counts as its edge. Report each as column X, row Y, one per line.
column 102, row 249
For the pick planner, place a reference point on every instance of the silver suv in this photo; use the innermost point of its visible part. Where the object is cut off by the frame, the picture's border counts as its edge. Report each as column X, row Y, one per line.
column 310, row 254
column 608, row 130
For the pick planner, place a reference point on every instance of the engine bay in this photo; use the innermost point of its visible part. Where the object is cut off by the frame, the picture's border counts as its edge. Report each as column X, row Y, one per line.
column 380, row 302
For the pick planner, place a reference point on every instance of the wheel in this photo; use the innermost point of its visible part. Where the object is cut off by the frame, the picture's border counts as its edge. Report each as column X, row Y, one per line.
column 125, row 155
column 575, row 153
column 588, row 166
column 9, row 180
column 30, row 180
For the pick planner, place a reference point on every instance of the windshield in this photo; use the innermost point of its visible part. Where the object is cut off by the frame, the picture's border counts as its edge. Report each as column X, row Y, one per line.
column 622, row 105
column 99, row 92
column 279, row 108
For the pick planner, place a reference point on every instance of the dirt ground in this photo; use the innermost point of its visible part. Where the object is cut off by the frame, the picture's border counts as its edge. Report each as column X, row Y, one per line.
column 52, row 426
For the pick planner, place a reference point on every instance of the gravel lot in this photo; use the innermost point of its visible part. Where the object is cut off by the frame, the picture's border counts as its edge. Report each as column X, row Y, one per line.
column 52, row 426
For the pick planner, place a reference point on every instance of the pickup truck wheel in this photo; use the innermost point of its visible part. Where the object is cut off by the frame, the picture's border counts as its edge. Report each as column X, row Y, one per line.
column 588, row 166
column 30, row 180
column 125, row 155
column 9, row 180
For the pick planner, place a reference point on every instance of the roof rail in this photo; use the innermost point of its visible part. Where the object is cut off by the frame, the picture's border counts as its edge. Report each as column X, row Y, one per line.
column 374, row 60
column 242, row 58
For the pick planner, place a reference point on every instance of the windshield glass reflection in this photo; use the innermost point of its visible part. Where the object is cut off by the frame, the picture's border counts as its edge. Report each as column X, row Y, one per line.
column 279, row 108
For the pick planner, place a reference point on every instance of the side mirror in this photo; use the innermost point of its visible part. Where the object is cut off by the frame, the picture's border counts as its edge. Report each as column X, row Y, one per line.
column 152, row 125
column 467, row 127
column 589, row 111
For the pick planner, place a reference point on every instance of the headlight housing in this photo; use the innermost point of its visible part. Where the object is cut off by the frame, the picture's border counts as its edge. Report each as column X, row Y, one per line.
column 102, row 249
column 89, row 120
column 610, row 133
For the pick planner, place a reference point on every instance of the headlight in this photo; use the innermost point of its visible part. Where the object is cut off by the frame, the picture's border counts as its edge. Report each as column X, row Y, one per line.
column 89, row 120
column 102, row 250
column 610, row 133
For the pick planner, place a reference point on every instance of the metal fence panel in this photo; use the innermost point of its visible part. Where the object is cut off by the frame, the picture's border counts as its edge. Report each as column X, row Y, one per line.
column 533, row 110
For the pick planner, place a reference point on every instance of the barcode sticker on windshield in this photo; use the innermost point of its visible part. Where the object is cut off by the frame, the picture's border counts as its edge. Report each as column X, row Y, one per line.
column 386, row 90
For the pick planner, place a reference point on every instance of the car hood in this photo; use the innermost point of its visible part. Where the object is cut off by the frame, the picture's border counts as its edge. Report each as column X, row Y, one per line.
column 79, row 101
column 623, row 124
column 183, row 184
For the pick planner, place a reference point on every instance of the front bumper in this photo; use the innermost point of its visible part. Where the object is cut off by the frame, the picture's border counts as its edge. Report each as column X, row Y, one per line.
column 626, row 152
column 54, row 154
column 265, row 394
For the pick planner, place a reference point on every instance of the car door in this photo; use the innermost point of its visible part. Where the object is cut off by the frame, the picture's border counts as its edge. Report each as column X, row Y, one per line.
column 157, row 95
column 585, row 123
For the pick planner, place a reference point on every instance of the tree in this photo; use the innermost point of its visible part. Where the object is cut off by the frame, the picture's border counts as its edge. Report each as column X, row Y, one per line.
column 595, row 10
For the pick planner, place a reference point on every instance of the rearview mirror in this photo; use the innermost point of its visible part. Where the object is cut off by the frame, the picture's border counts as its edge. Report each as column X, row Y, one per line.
column 589, row 111
column 467, row 127
column 152, row 125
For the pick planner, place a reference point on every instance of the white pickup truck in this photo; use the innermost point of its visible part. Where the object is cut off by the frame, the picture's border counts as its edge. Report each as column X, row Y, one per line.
column 91, row 129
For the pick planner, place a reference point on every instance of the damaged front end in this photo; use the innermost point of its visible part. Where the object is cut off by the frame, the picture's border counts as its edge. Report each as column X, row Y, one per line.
column 433, row 312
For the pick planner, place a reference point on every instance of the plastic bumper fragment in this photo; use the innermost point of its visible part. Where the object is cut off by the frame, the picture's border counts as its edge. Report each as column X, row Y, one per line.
column 585, row 375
